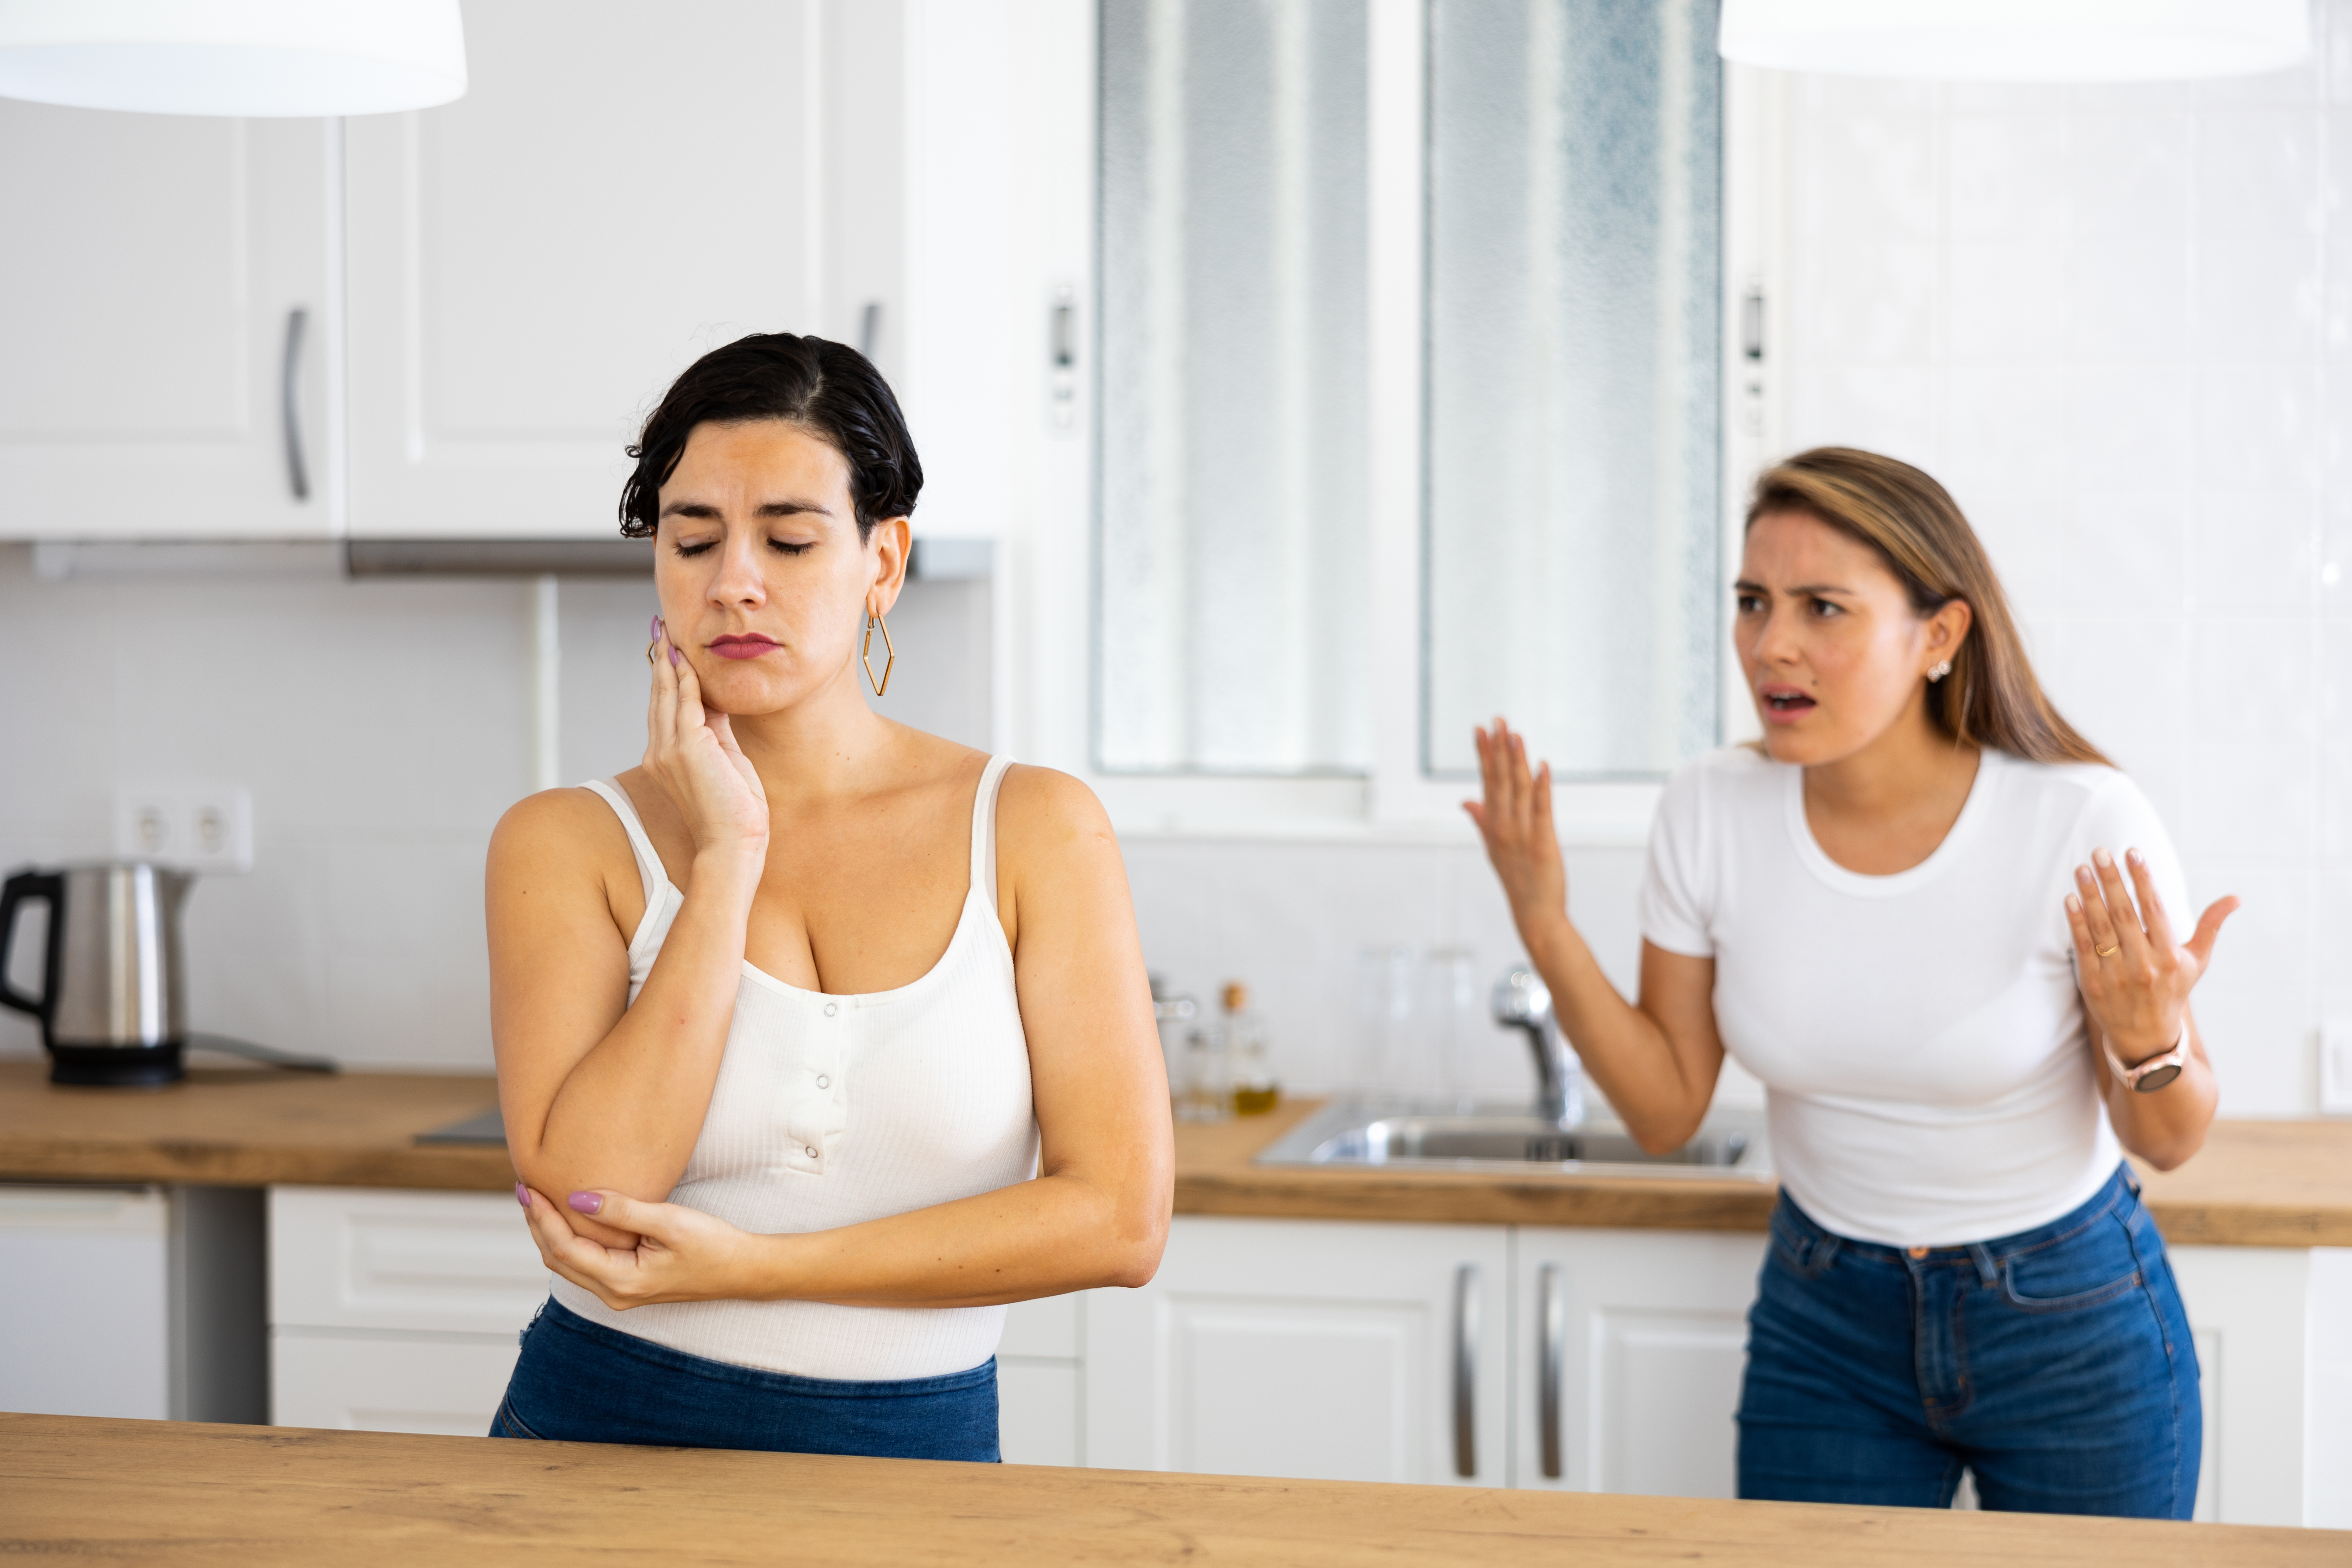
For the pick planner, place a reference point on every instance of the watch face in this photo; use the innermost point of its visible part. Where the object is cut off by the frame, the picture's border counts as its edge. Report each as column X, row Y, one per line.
column 2158, row 1078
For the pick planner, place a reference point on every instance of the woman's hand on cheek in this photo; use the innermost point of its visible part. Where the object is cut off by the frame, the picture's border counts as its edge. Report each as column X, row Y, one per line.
column 681, row 1255
column 2134, row 974
column 691, row 753
column 1515, row 821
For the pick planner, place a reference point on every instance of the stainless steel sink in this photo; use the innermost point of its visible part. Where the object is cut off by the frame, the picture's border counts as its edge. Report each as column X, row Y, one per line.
column 1361, row 1133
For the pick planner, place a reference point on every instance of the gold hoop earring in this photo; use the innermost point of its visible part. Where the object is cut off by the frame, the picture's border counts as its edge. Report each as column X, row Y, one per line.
column 889, row 654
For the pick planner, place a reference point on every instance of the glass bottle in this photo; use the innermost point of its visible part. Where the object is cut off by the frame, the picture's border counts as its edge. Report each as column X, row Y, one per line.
column 1206, row 1094
column 1246, row 1063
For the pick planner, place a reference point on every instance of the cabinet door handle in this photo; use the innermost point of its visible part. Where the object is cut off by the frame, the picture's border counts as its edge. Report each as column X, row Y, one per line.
column 1551, row 1314
column 1465, row 1370
column 297, row 473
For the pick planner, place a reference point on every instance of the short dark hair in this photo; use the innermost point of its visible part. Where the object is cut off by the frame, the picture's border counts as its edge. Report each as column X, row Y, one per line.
column 827, row 388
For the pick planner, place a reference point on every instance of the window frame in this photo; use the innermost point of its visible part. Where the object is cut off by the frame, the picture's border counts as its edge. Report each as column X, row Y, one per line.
column 1053, row 604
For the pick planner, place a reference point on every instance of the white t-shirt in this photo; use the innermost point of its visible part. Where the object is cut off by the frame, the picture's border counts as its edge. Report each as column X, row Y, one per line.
column 1920, row 1036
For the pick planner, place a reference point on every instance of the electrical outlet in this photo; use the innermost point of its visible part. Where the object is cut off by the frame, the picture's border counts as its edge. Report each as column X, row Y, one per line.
column 204, row 827
column 2335, row 1068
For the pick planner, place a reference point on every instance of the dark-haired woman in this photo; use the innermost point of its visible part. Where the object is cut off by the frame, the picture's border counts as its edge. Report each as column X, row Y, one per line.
column 1948, row 937
column 789, row 1017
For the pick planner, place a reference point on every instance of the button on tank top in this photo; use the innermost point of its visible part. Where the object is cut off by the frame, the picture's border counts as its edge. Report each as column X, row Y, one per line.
column 829, row 1110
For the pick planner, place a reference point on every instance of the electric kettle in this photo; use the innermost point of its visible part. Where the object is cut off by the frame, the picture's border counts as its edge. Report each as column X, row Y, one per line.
column 113, row 1002
column 113, row 999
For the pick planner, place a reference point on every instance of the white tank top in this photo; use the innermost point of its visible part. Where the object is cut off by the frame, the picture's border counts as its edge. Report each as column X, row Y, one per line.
column 830, row 1111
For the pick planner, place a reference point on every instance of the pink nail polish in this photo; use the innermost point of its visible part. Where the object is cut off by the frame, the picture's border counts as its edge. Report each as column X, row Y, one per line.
column 653, row 628
column 586, row 1203
column 673, row 658
column 522, row 1195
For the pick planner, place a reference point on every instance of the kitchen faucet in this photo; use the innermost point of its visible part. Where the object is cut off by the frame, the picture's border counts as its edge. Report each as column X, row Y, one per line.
column 1522, row 1000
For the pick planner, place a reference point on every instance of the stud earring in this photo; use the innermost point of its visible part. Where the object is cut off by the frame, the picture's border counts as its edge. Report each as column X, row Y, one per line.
column 1943, row 668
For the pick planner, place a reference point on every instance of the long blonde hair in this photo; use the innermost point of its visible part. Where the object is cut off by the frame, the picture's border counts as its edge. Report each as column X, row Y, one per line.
column 1990, row 698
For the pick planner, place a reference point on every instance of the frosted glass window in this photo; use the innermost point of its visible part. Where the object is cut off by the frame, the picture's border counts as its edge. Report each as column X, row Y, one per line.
column 1574, row 458
column 1231, row 526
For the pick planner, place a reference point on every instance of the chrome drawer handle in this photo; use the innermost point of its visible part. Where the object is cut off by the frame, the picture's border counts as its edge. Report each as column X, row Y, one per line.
column 1551, row 1313
column 1465, row 1370
column 297, row 472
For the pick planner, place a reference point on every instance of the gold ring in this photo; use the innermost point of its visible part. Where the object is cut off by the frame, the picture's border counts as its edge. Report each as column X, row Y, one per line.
column 2108, row 952
column 649, row 653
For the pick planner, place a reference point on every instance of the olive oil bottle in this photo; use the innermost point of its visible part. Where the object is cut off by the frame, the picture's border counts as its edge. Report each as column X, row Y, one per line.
column 1254, row 1091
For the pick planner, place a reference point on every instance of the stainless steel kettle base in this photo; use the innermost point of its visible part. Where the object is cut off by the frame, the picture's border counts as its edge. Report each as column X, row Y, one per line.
column 117, row 1066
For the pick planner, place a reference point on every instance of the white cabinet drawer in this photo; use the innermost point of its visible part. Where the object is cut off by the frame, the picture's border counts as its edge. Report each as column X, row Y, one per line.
column 1037, row 1412
column 1042, row 1328
column 85, row 1322
column 352, row 1258
column 356, row 1384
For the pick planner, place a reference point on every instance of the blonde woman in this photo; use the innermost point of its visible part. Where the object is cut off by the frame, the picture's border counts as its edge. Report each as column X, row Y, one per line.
column 1951, row 940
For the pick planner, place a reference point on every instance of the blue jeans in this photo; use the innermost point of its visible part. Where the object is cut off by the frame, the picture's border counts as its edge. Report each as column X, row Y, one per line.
column 579, row 1382
column 2055, row 1363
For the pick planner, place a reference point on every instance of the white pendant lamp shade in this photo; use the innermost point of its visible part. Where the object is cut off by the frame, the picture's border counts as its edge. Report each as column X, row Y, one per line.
column 2019, row 40
column 260, row 58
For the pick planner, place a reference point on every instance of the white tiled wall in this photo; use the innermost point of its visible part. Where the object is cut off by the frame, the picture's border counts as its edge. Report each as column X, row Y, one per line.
column 2117, row 323
column 382, row 726
column 1290, row 919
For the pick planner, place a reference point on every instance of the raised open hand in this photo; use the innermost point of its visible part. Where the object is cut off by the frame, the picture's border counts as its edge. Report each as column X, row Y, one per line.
column 692, row 755
column 1515, row 819
column 2135, row 975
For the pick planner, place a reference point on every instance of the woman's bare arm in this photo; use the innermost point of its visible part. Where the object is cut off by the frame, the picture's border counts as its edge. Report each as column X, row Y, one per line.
column 595, row 1090
column 1657, row 1059
column 1097, row 1213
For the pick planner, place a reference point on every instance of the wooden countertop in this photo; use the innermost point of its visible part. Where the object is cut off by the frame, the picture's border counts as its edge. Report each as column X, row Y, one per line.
column 245, row 1127
column 176, row 1492
column 2257, row 1184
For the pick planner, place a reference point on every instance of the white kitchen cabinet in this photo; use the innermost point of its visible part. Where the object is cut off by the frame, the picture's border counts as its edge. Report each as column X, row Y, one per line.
column 2272, row 1325
column 449, row 1386
column 132, row 1301
column 85, row 1328
column 156, row 267
column 397, row 1311
column 1041, row 1382
column 1627, row 1351
column 402, row 1311
column 1327, row 1350
column 620, row 190
column 368, row 1258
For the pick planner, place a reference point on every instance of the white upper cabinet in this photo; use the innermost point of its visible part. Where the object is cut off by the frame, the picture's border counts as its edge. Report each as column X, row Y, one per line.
column 154, row 267
column 493, row 293
column 621, row 188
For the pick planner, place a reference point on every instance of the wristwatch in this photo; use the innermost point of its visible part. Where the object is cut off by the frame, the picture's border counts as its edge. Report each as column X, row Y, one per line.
column 2154, row 1073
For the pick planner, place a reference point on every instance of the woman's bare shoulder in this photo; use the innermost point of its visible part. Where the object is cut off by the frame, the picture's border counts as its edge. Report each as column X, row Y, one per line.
column 1046, row 812
column 556, row 827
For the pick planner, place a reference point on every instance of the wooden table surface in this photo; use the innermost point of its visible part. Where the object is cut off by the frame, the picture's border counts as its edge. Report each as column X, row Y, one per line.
column 180, row 1493
column 2257, row 1184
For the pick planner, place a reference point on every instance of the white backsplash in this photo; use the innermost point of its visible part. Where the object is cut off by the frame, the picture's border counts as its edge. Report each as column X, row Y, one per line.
column 1290, row 919
column 381, row 726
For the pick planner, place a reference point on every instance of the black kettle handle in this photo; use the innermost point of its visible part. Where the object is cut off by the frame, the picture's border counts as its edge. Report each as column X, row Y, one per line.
column 25, row 886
